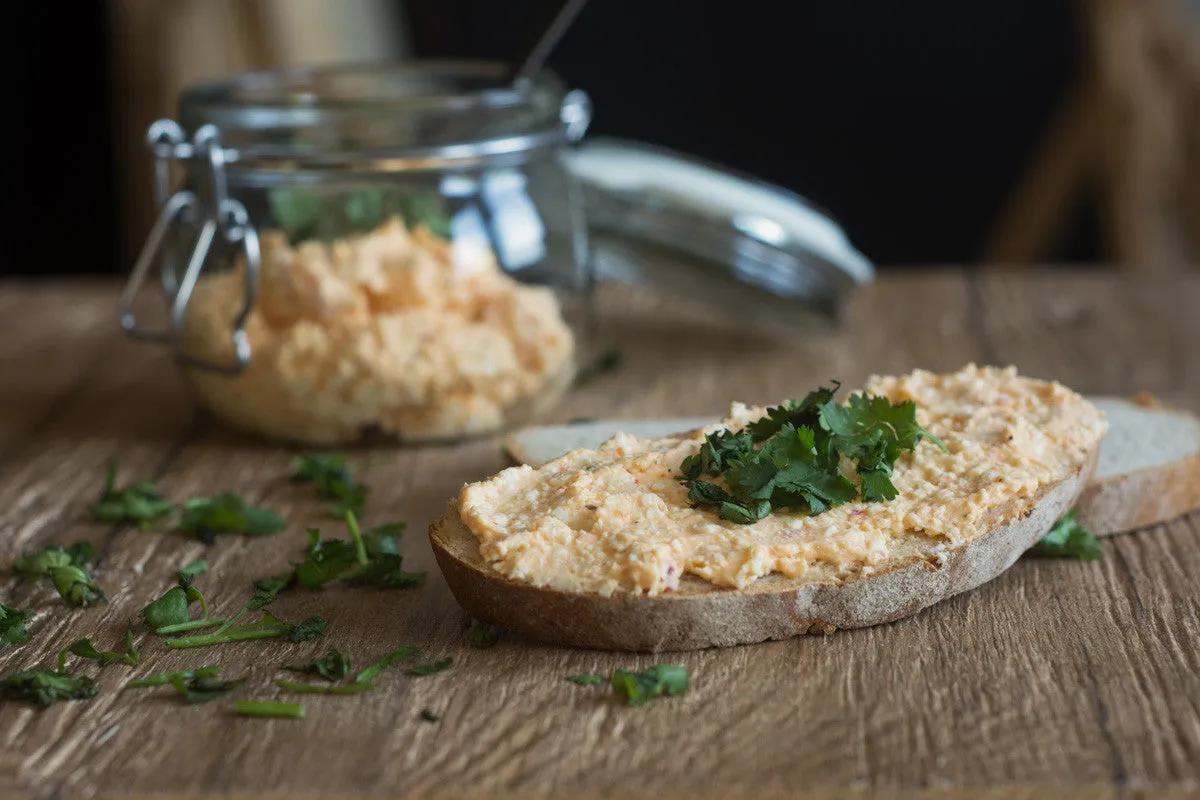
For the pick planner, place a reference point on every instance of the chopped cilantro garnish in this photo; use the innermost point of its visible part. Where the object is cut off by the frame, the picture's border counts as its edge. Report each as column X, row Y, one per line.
column 194, row 685
column 333, row 666
column 268, row 708
column 1068, row 539
column 372, row 559
column 793, row 457
column 66, row 567
column 140, row 503
column 432, row 668
column 164, row 678
column 660, row 680
column 429, row 715
column 12, row 625
column 269, row 627
column 481, row 636
column 334, row 480
column 85, row 649
column 363, row 681
column 45, row 687
column 638, row 687
column 228, row 512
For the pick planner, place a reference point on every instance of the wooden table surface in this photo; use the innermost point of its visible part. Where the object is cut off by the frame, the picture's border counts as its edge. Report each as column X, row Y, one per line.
column 1081, row 679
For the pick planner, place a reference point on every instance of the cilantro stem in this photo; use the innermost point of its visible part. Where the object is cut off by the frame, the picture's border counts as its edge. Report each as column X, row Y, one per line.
column 360, row 547
column 268, row 708
column 231, row 635
column 190, row 625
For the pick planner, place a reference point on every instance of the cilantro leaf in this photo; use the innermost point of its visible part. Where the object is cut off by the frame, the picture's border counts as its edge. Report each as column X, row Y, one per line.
column 164, row 678
column 269, row 627
column 169, row 609
column 797, row 413
column 228, row 512
column 45, row 687
column 429, row 715
column 85, row 649
column 1068, row 539
column 370, row 560
column 268, row 708
column 482, row 636
column 363, row 681
column 325, row 560
column 12, row 625
column 203, row 688
column 333, row 666
column 638, row 687
column 140, row 503
column 431, row 668
column 76, row 586
column 334, row 480
column 39, row 564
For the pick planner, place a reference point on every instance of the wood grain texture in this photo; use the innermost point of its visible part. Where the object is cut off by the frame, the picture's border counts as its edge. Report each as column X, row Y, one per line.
column 1064, row 678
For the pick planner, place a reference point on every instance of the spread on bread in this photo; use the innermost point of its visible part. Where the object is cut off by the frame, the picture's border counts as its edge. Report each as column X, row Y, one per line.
column 620, row 518
column 395, row 330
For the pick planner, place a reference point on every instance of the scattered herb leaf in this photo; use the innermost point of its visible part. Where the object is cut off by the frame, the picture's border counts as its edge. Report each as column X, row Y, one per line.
column 268, row 708
column 429, row 716
column 85, row 649
column 164, row 678
column 203, row 688
column 45, row 687
column 638, row 687
column 269, row 627
column 188, row 574
column 12, row 625
column 334, row 480
column 363, row 681
column 333, row 666
column 206, row 517
column 76, row 586
column 1068, row 539
column 140, row 503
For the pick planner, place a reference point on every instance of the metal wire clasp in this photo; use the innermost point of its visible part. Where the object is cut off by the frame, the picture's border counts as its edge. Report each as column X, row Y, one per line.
column 216, row 214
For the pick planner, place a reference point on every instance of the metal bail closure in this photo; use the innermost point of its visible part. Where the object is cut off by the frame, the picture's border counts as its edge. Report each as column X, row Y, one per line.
column 221, row 215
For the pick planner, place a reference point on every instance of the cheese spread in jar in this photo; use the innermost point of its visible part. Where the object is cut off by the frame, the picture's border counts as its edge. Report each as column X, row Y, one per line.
column 618, row 518
column 394, row 330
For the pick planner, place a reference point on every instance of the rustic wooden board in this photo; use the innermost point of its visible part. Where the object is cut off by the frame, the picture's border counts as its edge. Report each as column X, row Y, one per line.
column 1081, row 679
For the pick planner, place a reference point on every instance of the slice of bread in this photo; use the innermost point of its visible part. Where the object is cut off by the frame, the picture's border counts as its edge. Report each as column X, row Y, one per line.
column 699, row 614
column 1149, row 468
column 1148, row 472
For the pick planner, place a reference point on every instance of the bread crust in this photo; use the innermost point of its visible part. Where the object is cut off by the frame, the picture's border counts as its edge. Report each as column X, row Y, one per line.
column 701, row 615
column 1141, row 498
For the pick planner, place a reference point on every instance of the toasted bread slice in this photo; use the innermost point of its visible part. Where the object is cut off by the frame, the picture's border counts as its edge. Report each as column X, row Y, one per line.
column 700, row 615
column 1148, row 472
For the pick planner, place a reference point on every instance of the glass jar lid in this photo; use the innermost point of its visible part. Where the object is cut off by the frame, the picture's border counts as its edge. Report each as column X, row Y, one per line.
column 384, row 117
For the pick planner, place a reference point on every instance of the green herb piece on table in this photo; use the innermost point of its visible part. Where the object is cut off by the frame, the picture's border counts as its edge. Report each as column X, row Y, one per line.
column 372, row 559
column 432, row 668
column 333, row 666
column 429, row 716
column 165, row 678
column 587, row 679
column 66, row 567
column 140, row 503
column 206, row 517
column 334, row 480
column 1068, row 539
column 189, row 573
column 269, row 627
column 481, row 636
column 203, row 688
column 85, row 649
column 45, row 687
column 793, row 457
column 658, row 681
column 268, row 708
column 363, row 681
column 12, row 625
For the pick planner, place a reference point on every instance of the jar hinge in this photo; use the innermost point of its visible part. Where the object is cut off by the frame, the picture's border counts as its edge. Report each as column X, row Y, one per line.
column 217, row 214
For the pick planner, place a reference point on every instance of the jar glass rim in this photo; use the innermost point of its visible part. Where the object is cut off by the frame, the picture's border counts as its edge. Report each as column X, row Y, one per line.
column 378, row 107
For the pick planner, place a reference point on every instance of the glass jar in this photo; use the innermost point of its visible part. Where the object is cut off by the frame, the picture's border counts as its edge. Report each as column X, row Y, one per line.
column 394, row 250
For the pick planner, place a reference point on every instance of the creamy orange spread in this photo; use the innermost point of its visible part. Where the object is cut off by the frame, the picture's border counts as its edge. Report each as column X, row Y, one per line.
column 395, row 330
column 618, row 519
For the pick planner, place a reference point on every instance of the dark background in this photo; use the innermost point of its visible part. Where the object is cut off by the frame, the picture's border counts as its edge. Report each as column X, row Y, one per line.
column 908, row 121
